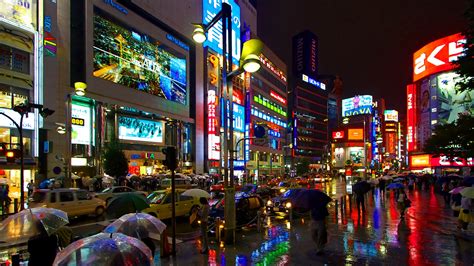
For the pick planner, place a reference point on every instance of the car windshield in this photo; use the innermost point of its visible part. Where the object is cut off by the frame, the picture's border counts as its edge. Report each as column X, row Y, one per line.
column 156, row 197
column 107, row 190
column 38, row 196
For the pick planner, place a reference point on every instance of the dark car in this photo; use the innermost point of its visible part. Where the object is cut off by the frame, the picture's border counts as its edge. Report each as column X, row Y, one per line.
column 282, row 203
column 247, row 207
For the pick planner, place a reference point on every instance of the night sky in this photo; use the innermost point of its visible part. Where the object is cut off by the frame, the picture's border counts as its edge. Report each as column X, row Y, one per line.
column 368, row 43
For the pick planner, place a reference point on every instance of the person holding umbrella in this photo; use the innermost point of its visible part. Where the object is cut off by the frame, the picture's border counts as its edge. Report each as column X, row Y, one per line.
column 465, row 216
column 204, row 213
column 402, row 202
column 319, row 233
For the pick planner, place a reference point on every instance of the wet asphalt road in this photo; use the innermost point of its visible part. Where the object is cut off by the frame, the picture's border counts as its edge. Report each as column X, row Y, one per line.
column 427, row 236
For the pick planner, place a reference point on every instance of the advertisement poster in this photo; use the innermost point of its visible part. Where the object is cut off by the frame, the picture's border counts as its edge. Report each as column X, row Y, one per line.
column 452, row 103
column 135, row 129
column 358, row 105
column 356, row 155
column 19, row 12
column 424, row 128
column 80, row 123
column 138, row 61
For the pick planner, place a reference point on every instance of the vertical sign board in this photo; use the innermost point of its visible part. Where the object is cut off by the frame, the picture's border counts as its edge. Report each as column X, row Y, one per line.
column 212, row 105
column 411, row 117
column 247, row 117
column 214, row 36
column 305, row 54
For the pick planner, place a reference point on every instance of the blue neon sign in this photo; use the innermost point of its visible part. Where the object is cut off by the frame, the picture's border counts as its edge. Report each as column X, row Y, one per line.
column 214, row 36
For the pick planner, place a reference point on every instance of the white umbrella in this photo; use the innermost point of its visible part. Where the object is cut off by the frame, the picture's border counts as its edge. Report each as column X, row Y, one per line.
column 137, row 225
column 5, row 181
column 74, row 176
column 197, row 193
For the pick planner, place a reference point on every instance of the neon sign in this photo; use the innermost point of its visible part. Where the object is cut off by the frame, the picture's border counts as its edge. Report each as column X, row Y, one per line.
column 338, row 134
column 358, row 105
column 312, row 81
column 275, row 70
column 278, row 97
column 411, row 117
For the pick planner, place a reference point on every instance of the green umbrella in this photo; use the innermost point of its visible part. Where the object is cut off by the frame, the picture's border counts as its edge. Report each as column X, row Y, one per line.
column 126, row 203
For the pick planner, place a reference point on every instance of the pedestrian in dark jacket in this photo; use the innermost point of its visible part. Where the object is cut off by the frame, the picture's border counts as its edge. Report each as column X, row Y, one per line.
column 42, row 248
column 318, row 227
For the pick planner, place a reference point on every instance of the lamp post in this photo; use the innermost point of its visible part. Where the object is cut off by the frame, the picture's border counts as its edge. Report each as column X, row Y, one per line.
column 249, row 62
column 24, row 109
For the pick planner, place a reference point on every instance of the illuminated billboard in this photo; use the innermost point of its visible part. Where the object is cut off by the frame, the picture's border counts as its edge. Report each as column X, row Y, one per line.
column 391, row 115
column 358, row 105
column 421, row 160
column 136, row 60
column 451, row 102
column 136, row 129
column 355, row 134
column 411, row 117
column 214, row 35
column 437, row 56
column 81, row 123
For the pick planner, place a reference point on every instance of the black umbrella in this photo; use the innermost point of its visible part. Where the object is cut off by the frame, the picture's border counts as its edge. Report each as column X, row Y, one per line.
column 127, row 203
column 361, row 187
column 310, row 198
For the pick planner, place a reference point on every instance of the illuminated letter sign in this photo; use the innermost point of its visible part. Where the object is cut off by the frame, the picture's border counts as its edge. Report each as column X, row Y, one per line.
column 391, row 115
column 305, row 54
column 338, row 134
column 213, row 83
column 411, row 117
column 437, row 56
column 277, row 97
column 214, row 35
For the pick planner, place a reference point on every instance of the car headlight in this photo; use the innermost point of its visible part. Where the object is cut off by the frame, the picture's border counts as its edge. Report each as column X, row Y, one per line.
column 269, row 203
column 282, row 190
column 288, row 205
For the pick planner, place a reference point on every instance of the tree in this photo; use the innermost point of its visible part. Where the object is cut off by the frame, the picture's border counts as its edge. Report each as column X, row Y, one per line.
column 465, row 62
column 453, row 139
column 302, row 167
column 115, row 162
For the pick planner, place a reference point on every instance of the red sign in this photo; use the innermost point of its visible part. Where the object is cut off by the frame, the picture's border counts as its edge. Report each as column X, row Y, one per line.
column 443, row 161
column 237, row 96
column 411, row 117
column 338, row 134
column 437, row 56
column 278, row 97
column 212, row 108
column 391, row 142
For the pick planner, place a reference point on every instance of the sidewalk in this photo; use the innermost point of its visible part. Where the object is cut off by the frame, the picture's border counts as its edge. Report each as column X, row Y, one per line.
column 428, row 235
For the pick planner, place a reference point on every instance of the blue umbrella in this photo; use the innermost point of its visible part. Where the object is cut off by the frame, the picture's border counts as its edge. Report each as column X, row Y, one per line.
column 395, row 186
column 45, row 183
column 310, row 198
column 400, row 179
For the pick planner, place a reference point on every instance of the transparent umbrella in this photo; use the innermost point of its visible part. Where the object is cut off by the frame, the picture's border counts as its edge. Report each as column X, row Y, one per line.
column 138, row 225
column 105, row 249
column 29, row 222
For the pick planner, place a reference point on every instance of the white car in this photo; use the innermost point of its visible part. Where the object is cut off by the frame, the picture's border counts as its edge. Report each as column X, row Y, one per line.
column 108, row 193
column 75, row 202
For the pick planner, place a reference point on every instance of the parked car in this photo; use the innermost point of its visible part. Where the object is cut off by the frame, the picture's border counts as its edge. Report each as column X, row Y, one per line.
column 108, row 193
column 75, row 202
column 160, row 204
column 247, row 207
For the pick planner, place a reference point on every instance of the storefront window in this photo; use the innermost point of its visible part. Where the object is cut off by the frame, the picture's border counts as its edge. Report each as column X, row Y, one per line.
column 11, row 96
column 4, row 135
column 14, row 59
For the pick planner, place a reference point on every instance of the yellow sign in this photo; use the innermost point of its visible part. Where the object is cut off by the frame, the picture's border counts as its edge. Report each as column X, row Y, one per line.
column 422, row 160
column 19, row 12
column 355, row 134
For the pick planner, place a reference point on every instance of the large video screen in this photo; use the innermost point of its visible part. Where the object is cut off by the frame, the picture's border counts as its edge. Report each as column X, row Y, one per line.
column 135, row 129
column 452, row 103
column 357, row 105
column 138, row 61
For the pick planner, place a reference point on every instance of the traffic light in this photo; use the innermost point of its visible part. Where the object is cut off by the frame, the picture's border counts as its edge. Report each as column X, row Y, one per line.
column 171, row 160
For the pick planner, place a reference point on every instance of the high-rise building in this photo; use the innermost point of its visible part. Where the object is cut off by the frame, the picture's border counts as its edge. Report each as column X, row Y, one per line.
column 308, row 101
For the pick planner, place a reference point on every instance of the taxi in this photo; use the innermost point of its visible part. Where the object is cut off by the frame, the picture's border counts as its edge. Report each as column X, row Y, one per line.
column 160, row 204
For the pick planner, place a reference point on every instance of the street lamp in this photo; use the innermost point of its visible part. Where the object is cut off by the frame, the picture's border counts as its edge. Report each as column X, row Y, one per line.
column 80, row 88
column 23, row 109
column 249, row 62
